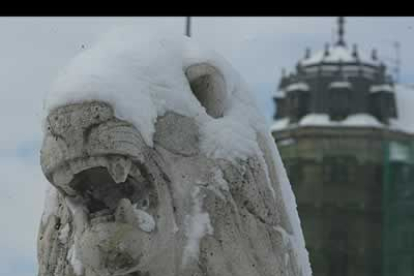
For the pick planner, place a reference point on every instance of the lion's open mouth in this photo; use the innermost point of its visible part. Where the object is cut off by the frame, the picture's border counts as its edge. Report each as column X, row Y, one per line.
column 100, row 183
column 101, row 194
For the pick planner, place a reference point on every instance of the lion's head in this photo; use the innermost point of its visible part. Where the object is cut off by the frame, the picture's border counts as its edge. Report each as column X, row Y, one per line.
column 161, row 165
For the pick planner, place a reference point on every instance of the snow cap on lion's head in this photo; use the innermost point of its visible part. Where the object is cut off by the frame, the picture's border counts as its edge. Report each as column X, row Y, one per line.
column 143, row 76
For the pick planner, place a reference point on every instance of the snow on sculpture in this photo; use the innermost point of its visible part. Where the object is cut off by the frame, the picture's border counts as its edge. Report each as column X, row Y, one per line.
column 160, row 164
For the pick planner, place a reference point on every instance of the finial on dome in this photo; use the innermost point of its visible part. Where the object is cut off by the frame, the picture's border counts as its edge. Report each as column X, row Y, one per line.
column 374, row 54
column 355, row 51
column 307, row 53
column 341, row 31
column 326, row 53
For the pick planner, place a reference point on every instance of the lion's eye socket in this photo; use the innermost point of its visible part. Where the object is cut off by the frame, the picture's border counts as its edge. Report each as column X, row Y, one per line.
column 208, row 86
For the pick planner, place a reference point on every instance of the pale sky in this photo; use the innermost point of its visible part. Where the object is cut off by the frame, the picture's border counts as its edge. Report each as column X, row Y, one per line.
column 33, row 50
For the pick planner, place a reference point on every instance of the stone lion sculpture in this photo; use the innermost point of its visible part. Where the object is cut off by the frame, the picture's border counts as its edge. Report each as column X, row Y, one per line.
column 160, row 164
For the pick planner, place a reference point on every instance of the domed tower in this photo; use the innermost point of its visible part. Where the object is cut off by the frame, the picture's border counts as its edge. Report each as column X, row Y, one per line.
column 334, row 114
column 339, row 82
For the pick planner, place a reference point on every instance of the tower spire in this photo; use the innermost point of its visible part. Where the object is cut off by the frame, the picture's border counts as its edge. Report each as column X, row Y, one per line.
column 341, row 31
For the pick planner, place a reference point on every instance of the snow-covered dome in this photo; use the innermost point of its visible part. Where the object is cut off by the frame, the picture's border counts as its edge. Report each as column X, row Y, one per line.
column 340, row 81
column 339, row 53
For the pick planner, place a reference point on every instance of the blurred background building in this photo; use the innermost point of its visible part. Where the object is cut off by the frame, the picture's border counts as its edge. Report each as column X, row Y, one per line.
column 343, row 127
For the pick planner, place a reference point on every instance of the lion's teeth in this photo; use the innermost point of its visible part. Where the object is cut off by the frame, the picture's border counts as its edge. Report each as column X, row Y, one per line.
column 128, row 213
column 124, row 213
column 119, row 169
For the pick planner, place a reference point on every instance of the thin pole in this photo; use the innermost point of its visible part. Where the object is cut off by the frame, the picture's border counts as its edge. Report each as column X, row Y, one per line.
column 188, row 26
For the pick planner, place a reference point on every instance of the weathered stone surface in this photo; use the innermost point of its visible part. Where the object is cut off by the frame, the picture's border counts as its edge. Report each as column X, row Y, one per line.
column 120, row 205
column 174, row 184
